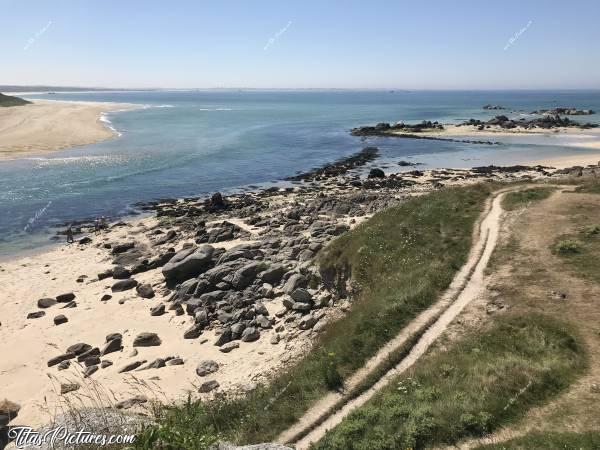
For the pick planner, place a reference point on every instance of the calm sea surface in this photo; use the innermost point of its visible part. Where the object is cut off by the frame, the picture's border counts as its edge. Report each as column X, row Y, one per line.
column 184, row 143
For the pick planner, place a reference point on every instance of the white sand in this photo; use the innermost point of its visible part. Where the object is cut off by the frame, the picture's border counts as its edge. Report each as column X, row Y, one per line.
column 27, row 344
column 48, row 125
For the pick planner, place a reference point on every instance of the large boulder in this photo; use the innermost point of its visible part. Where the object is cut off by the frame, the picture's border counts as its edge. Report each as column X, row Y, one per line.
column 188, row 263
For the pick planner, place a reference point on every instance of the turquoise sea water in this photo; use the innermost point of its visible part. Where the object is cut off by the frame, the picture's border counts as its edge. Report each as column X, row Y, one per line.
column 185, row 143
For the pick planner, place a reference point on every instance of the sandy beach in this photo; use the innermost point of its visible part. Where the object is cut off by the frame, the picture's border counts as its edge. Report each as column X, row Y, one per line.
column 48, row 125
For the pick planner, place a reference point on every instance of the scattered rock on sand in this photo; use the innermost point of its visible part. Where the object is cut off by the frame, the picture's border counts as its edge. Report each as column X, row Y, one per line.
column 132, row 366
column 146, row 340
column 157, row 310
column 60, row 358
column 208, row 386
column 89, row 371
column 124, row 285
column 65, row 298
column 175, row 362
column 36, row 315
column 113, row 345
column 145, row 290
column 65, row 388
column 226, row 348
column 207, row 367
column 46, row 302
column 60, row 319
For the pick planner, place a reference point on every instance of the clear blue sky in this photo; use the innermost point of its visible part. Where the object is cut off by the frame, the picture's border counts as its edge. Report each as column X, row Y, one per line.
column 347, row 44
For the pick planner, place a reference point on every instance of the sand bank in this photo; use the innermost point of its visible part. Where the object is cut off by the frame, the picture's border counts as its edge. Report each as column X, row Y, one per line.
column 48, row 125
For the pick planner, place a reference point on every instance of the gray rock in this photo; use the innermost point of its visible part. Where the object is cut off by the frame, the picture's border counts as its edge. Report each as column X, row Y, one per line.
column 91, row 361
column 124, row 285
column 132, row 366
column 294, row 282
column 60, row 319
column 226, row 348
column 208, row 386
column 79, row 348
column 175, row 362
column 156, row 364
column 113, row 345
column 158, row 310
column 146, row 340
column 89, row 371
column 206, row 367
column 120, row 273
column 224, row 337
column 273, row 274
column 274, row 339
column 236, row 330
column 187, row 264
column 193, row 332
column 122, row 248
column 64, row 365
column 307, row 322
column 36, row 315
column 65, row 298
column 46, row 302
column 244, row 276
column 106, row 363
column 250, row 334
column 60, row 358
column 301, row 295
column 65, row 388
column 145, row 290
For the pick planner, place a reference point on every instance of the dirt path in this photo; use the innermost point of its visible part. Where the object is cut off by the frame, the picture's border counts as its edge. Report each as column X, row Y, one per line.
column 467, row 284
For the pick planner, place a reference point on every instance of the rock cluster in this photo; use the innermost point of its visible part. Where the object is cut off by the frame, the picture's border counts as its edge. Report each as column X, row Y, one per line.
column 546, row 122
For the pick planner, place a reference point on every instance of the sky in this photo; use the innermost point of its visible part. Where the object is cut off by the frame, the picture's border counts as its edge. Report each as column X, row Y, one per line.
column 373, row 44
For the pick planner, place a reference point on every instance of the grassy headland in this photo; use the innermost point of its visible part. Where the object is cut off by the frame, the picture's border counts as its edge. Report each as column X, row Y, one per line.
column 7, row 100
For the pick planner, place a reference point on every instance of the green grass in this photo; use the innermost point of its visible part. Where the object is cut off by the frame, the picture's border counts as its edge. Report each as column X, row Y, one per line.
column 484, row 381
column 550, row 441
column 589, row 186
column 7, row 100
column 518, row 199
column 401, row 260
column 581, row 252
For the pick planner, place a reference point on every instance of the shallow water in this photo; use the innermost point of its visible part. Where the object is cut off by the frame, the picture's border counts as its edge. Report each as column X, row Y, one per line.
column 186, row 143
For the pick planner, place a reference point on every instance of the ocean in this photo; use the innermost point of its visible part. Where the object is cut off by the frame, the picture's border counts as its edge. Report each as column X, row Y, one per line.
column 188, row 143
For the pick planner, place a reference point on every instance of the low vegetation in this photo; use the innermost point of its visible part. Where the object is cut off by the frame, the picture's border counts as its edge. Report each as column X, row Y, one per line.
column 518, row 199
column 481, row 383
column 550, row 441
column 7, row 100
column 399, row 261
column 581, row 252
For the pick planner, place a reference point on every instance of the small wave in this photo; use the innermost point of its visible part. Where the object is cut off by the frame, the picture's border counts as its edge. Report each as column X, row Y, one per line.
column 215, row 109
column 108, row 124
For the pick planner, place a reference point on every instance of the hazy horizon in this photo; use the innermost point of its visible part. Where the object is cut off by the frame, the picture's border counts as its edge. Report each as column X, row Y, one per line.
column 270, row 45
